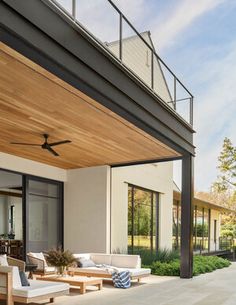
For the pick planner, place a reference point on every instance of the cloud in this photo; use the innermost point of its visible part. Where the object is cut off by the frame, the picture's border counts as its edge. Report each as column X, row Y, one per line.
column 179, row 19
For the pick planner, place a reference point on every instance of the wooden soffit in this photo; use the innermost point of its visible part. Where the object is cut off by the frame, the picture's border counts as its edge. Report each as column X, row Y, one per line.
column 34, row 101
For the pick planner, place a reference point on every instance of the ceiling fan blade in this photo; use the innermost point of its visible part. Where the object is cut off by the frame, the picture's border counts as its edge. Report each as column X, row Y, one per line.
column 30, row 144
column 59, row 143
column 52, row 151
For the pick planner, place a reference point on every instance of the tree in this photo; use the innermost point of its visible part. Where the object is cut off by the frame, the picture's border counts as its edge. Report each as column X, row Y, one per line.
column 224, row 189
column 227, row 166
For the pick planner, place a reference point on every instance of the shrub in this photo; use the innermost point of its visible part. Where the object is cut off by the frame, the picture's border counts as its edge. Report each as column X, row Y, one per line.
column 201, row 264
column 162, row 255
column 170, row 268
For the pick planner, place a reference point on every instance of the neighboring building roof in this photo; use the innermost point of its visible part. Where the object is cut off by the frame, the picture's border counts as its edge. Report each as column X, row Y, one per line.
column 205, row 204
column 137, row 56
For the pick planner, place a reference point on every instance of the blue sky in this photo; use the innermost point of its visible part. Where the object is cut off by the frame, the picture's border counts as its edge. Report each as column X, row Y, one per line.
column 196, row 38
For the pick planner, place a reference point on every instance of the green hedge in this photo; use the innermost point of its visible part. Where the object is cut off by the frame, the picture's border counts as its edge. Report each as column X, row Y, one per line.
column 201, row 264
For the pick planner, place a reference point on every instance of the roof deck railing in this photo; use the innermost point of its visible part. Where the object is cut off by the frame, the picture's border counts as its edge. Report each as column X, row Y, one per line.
column 105, row 22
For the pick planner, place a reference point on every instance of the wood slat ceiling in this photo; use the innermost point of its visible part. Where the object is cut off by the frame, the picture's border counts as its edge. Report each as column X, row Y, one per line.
column 34, row 101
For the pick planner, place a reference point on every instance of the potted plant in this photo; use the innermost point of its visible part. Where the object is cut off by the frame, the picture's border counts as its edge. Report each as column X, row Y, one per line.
column 60, row 259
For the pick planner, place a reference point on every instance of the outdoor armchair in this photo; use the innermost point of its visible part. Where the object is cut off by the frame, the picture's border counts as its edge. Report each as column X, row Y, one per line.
column 42, row 266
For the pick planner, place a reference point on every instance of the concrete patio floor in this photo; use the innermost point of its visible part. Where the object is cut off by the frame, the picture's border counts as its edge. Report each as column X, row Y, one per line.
column 216, row 288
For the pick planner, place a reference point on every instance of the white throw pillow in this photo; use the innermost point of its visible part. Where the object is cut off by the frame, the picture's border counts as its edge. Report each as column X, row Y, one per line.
column 3, row 260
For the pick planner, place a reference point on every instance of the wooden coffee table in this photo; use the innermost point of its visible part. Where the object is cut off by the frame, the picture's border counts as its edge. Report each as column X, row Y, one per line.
column 81, row 281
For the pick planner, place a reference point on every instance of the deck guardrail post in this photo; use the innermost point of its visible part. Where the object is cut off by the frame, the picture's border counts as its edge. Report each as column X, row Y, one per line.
column 74, row 9
column 120, row 36
column 175, row 98
column 191, row 111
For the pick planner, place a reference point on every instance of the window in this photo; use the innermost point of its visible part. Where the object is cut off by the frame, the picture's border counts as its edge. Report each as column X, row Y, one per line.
column 176, row 225
column 201, row 221
column 142, row 220
column 201, row 229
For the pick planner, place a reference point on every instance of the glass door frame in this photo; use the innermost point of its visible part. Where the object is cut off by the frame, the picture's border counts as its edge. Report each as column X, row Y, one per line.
column 25, row 200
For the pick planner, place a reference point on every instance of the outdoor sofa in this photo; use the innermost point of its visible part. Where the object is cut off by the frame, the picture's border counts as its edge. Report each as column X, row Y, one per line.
column 103, row 265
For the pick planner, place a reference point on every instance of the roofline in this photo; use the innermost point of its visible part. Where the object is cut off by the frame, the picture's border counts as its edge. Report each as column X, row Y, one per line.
column 204, row 203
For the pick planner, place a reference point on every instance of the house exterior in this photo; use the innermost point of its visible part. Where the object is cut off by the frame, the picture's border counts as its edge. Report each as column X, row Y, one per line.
column 58, row 79
column 206, row 225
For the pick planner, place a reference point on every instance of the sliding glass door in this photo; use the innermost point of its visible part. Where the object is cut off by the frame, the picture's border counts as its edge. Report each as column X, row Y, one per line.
column 43, row 214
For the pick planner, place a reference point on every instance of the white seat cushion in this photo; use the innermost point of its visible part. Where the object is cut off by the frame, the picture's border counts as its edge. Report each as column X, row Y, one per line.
column 90, row 270
column 136, row 271
column 110, row 269
column 40, row 288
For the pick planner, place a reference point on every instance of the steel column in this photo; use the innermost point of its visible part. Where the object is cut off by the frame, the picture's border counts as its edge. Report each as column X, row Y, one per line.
column 186, row 267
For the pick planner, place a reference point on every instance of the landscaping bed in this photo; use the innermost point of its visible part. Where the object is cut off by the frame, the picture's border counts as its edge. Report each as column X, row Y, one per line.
column 169, row 266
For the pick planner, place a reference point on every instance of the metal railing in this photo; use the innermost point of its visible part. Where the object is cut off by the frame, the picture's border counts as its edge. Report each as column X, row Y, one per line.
column 110, row 28
column 226, row 243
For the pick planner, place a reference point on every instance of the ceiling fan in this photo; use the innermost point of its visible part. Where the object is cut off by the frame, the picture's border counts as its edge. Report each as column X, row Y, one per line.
column 45, row 144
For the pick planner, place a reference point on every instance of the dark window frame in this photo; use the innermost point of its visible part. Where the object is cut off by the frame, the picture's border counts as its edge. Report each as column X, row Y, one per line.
column 156, row 201
column 203, row 210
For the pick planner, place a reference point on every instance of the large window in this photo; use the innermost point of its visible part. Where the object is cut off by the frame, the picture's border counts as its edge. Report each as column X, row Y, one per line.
column 201, row 229
column 142, row 220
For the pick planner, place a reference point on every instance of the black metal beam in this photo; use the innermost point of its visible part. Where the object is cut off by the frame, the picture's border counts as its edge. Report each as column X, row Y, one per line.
column 186, row 268
column 33, row 29
column 146, row 162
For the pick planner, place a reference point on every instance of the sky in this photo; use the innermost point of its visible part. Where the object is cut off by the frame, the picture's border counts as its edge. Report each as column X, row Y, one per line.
column 197, row 40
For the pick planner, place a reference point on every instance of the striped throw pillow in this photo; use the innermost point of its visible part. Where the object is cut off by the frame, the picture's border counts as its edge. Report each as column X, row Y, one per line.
column 121, row 279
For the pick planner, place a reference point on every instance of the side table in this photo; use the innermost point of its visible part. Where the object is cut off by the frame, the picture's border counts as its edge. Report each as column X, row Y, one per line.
column 30, row 268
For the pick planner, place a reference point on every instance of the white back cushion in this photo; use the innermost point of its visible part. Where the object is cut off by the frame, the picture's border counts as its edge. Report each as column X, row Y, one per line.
column 100, row 259
column 3, row 260
column 16, row 282
column 125, row 261
column 82, row 255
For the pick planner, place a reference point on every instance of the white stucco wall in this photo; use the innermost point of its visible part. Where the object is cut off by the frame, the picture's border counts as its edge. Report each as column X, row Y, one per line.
column 215, row 215
column 87, row 210
column 159, row 178
column 26, row 166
